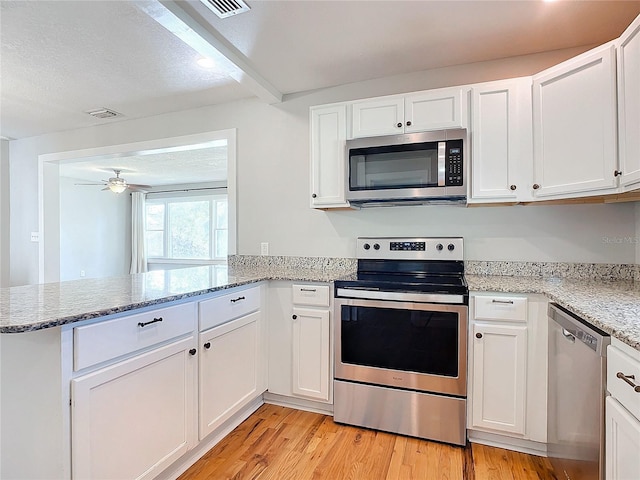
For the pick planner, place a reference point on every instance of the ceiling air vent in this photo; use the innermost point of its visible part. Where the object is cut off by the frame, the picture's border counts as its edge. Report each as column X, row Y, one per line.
column 226, row 8
column 104, row 113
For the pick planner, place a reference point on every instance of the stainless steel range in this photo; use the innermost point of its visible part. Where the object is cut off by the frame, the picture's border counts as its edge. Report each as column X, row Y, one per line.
column 401, row 339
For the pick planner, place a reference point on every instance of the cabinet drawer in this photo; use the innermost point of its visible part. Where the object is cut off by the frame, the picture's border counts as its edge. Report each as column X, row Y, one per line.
column 224, row 308
column 96, row 343
column 317, row 295
column 513, row 309
column 619, row 363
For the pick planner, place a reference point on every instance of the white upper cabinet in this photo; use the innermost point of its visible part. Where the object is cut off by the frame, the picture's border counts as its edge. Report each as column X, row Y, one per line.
column 328, row 136
column 574, row 126
column 629, row 106
column 501, row 141
column 416, row 112
column 434, row 109
column 381, row 116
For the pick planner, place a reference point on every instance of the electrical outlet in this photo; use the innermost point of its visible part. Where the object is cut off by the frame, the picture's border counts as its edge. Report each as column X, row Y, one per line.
column 264, row 248
column 35, row 236
column 82, row 273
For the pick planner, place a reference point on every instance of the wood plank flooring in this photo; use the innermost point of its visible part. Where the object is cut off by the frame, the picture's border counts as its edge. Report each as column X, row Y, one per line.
column 278, row 443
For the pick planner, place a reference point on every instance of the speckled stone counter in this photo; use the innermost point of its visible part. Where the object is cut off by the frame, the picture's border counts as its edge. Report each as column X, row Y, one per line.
column 611, row 305
column 34, row 307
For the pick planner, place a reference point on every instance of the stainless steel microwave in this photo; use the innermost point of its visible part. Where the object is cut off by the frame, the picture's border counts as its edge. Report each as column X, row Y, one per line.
column 416, row 168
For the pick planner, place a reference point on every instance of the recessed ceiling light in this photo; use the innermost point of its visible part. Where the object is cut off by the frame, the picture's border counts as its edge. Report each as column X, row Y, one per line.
column 206, row 62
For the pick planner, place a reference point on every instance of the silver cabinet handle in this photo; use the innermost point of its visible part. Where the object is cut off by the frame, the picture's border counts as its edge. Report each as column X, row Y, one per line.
column 307, row 289
column 507, row 302
column 628, row 379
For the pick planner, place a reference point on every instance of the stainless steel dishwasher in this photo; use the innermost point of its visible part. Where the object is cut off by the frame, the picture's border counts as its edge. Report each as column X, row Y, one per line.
column 577, row 373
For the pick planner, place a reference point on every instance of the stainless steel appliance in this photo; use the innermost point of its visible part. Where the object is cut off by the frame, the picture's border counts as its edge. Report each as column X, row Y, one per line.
column 577, row 373
column 401, row 339
column 429, row 167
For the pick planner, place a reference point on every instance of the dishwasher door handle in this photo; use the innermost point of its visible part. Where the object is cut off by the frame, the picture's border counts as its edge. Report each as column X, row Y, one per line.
column 568, row 335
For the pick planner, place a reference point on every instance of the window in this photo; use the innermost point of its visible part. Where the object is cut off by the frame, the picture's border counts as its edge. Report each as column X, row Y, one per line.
column 187, row 228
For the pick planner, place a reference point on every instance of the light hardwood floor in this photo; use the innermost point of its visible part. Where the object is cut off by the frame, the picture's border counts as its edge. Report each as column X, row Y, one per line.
column 278, row 443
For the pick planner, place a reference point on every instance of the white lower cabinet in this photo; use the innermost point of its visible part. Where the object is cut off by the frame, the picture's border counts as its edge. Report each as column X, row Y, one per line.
column 135, row 418
column 507, row 388
column 622, row 412
column 311, row 353
column 229, row 370
column 499, row 377
column 299, row 341
column 622, row 442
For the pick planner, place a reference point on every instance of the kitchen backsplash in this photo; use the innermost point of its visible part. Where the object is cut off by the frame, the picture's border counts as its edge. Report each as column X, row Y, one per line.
column 282, row 261
column 591, row 271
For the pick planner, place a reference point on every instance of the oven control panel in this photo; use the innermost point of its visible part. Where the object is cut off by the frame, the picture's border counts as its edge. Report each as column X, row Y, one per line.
column 434, row 248
column 407, row 246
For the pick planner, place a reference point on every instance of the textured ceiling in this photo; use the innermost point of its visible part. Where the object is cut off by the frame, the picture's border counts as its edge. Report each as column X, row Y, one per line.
column 59, row 59
column 155, row 169
column 62, row 58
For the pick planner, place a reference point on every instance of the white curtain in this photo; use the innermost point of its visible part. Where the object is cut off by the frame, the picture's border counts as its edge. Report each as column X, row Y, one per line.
column 138, row 254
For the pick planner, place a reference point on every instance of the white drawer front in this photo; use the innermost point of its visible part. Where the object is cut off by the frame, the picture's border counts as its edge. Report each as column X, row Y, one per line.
column 110, row 339
column 224, row 308
column 513, row 309
column 317, row 295
column 620, row 364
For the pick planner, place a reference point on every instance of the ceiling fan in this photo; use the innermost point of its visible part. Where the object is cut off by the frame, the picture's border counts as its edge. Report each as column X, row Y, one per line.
column 118, row 184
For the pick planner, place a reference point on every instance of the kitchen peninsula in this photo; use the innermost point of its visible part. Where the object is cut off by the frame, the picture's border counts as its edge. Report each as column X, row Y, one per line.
column 60, row 340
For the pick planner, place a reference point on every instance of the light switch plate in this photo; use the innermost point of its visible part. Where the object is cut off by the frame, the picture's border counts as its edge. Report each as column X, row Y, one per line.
column 35, row 236
column 264, row 248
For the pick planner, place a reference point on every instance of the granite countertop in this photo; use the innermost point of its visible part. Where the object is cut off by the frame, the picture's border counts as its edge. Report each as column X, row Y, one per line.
column 610, row 305
column 34, row 307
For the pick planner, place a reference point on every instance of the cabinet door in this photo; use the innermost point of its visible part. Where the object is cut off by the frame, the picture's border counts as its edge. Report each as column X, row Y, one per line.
column 311, row 353
column 433, row 110
column 328, row 170
column 574, row 125
column 629, row 104
column 499, row 377
column 135, row 418
column 228, row 370
column 622, row 442
column 502, row 167
column 371, row 118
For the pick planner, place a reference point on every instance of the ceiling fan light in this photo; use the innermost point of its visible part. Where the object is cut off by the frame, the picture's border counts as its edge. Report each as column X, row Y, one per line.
column 117, row 187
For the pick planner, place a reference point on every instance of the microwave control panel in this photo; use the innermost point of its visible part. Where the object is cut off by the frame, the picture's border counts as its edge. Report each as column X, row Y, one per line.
column 453, row 164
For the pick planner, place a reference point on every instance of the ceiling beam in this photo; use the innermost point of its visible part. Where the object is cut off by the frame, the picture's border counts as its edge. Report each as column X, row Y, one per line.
column 208, row 42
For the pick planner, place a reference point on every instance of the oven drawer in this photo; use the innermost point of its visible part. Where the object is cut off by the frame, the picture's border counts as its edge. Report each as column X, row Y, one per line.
column 314, row 295
column 512, row 309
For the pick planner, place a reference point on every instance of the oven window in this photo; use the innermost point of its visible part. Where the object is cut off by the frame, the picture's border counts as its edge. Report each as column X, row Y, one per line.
column 408, row 340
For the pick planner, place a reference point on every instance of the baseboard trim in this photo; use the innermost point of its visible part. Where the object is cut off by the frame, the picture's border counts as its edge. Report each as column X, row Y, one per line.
column 298, row 403
column 508, row 443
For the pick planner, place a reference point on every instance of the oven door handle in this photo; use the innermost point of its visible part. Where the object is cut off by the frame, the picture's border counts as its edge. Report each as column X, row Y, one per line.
column 400, row 296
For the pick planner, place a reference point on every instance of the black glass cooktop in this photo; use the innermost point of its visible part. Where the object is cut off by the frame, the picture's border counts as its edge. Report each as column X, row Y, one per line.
column 408, row 276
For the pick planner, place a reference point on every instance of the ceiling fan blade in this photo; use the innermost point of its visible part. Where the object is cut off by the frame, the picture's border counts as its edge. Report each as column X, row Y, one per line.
column 92, row 184
column 137, row 185
column 105, row 188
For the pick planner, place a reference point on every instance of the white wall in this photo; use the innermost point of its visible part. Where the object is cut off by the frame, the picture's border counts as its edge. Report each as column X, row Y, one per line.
column 95, row 231
column 273, row 183
column 4, row 213
column 637, row 236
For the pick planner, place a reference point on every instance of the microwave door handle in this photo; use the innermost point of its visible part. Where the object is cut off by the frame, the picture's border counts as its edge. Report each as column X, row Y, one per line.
column 442, row 150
